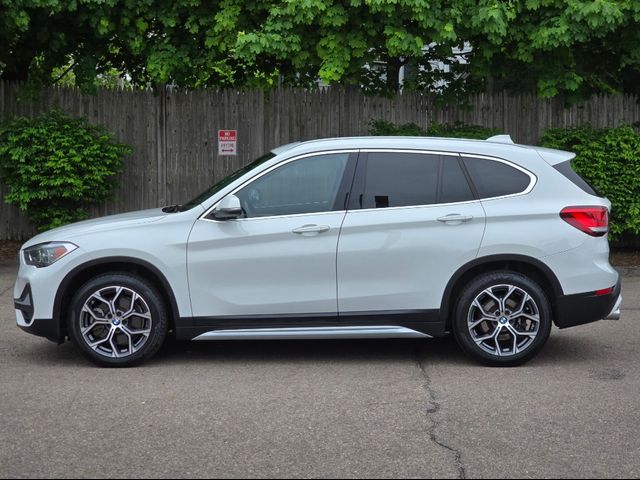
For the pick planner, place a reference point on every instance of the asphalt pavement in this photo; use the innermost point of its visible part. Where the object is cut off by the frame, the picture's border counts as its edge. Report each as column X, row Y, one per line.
column 396, row 408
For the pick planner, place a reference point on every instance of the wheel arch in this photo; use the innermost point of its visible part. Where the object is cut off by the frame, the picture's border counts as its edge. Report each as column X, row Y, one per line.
column 529, row 266
column 82, row 273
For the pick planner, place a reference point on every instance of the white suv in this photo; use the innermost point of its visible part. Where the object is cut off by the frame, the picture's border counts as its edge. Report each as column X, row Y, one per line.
column 339, row 238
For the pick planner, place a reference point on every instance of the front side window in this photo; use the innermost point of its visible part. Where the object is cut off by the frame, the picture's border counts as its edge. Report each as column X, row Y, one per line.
column 224, row 182
column 308, row 185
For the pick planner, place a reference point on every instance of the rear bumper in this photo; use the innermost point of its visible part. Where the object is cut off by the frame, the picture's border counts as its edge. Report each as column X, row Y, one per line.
column 582, row 308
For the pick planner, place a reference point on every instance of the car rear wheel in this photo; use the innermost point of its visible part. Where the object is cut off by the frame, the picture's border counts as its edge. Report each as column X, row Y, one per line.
column 118, row 320
column 502, row 319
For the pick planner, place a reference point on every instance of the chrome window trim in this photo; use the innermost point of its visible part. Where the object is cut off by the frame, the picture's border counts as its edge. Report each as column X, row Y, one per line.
column 270, row 169
column 408, row 150
column 533, row 180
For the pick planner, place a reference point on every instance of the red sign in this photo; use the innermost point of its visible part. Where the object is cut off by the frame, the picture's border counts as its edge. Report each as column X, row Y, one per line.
column 227, row 142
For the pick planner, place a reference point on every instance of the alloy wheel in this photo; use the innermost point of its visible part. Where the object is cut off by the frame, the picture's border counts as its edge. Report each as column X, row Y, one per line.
column 503, row 320
column 115, row 322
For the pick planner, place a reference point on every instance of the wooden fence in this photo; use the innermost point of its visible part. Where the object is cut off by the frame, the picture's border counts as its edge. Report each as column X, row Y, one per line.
column 174, row 132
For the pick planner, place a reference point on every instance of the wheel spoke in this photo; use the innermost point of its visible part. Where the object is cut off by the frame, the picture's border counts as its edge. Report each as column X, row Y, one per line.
column 515, row 331
column 503, row 301
column 100, row 298
column 482, row 319
column 490, row 336
column 496, row 299
column 130, row 340
column 114, row 302
column 523, row 304
column 106, row 339
column 514, row 334
column 529, row 317
column 88, row 310
column 146, row 316
column 145, row 332
column 132, row 307
column 88, row 328
column 477, row 303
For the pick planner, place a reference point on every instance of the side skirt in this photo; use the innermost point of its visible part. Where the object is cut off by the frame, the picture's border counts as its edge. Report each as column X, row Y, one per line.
column 403, row 324
column 308, row 333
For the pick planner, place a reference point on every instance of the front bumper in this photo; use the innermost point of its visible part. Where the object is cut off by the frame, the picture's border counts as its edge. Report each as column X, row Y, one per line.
column 24, row 318
column 582, row 308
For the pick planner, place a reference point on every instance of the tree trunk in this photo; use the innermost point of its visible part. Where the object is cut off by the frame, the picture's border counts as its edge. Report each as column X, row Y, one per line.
column 393, row 74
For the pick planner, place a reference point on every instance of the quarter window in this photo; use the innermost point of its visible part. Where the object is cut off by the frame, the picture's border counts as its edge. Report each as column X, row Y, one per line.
column 308, row 185
column 495, row 179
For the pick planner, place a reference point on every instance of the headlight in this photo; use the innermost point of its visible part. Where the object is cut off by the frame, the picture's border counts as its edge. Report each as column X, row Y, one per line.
column 47, row 254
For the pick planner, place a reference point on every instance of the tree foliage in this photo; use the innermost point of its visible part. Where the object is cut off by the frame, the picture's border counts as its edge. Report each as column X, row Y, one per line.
column 573, row 47
column 55, row 166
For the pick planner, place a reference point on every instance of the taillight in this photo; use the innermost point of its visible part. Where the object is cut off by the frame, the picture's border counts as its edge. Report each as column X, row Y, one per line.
column 593, row 221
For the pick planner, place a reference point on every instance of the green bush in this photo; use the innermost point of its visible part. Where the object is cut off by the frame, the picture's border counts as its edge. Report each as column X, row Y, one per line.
column 451, row 130
column 384, row 128
column 609, row 159
column 56, row 166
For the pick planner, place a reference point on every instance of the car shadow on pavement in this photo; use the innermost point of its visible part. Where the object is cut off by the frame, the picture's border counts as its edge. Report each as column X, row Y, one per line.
column 441, row 351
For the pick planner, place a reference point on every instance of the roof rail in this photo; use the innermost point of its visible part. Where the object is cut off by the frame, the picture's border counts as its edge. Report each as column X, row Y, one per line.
column 501, row 139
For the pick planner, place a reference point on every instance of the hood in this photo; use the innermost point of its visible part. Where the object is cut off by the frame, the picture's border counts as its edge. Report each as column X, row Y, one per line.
column 111, row 222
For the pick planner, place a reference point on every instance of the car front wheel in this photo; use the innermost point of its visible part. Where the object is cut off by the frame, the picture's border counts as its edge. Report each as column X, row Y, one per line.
column 118, row 320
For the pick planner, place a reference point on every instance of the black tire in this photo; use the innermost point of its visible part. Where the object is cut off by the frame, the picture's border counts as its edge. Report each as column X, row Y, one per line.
column 148, row 344
column 463, row 311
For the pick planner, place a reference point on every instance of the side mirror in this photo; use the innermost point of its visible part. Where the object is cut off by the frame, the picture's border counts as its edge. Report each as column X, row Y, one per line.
column 228, row 208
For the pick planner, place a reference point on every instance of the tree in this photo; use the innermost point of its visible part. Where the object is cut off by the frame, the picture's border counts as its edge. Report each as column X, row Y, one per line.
column 545, row 46
column 556, row 47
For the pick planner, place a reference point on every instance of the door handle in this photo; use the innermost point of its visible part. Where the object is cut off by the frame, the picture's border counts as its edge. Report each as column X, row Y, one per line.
column 310, row 230
column 455, row 219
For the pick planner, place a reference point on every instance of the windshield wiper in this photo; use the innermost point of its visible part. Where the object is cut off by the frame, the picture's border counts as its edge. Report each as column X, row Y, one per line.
column 172, row 209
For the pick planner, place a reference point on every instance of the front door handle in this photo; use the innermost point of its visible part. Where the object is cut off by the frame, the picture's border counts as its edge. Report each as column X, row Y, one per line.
column 311, row 230
column 455, row 219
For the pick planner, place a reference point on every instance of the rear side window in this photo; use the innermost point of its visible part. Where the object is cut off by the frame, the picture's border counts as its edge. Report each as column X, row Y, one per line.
column 400, row 180
column 495, row 179
column 566, row 169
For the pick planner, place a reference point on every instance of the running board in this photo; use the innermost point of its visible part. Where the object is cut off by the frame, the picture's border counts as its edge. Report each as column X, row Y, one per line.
column 312, row 333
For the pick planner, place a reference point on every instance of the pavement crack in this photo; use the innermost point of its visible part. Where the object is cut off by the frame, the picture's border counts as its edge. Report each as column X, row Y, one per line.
column 433, row 408
column 5, row 291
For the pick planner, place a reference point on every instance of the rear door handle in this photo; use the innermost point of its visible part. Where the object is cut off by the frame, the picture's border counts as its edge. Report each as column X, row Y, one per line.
column 455, row 219
column 310, row 230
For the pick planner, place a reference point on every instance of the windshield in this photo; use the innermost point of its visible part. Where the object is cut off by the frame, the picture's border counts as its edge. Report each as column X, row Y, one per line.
column 224, row 182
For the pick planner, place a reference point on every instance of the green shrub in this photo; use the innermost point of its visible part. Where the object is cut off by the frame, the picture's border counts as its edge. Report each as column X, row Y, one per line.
column 451, row 130
column 609, row 159
column 461, row 130
column 384, row 128
column 56, row 166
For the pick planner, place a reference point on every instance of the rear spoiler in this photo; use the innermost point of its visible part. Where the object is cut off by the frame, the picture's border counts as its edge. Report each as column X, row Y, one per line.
column 549, row 155
column 554, row 157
